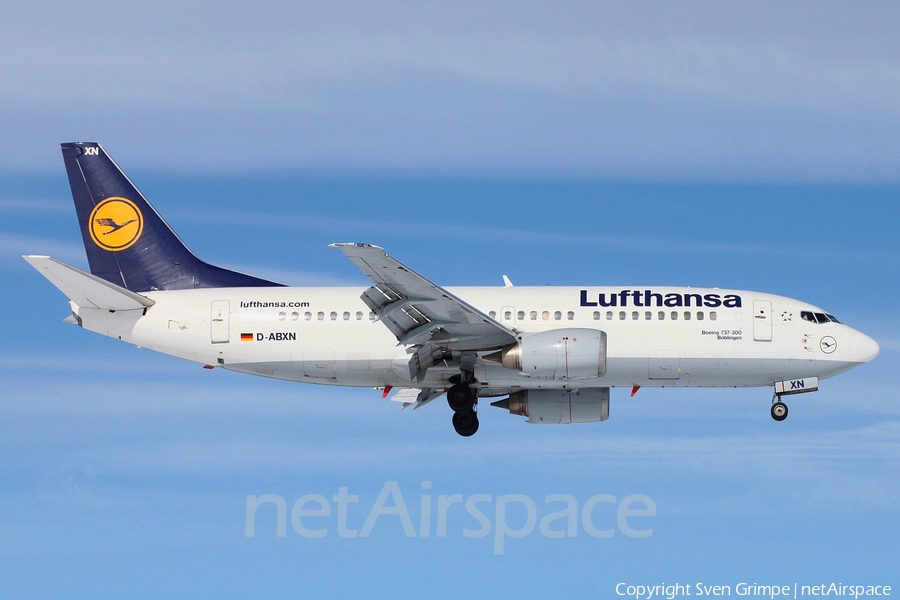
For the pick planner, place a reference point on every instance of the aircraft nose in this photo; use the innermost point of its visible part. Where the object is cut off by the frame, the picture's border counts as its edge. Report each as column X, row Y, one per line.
column 862, row 347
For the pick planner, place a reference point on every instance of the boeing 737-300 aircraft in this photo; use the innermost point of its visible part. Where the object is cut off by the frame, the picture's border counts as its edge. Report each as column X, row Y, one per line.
column 552, row 352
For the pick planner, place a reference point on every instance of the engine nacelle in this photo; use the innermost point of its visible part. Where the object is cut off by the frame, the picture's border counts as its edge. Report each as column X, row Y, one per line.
column 557, row 354
column 559, row 406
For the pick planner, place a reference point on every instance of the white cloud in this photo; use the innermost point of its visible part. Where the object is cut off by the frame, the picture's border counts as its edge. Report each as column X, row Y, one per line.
column 703, row 90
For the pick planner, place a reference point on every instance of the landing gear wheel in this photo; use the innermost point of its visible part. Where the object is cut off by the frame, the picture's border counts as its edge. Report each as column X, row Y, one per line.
column 779, row 411
column 465, row 423
column 460, row 398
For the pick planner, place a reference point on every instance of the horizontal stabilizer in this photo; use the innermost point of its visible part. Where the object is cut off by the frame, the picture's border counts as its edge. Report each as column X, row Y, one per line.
column 86, row 290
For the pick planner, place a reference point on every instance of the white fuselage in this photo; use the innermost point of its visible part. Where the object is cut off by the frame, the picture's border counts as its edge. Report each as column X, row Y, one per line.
column 655, row 336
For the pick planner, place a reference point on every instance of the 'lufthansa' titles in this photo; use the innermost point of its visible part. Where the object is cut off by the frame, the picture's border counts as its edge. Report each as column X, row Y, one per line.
column 648, row 298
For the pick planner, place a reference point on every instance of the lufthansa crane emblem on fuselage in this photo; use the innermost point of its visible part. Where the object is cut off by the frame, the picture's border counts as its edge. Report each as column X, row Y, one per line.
column 827, row 344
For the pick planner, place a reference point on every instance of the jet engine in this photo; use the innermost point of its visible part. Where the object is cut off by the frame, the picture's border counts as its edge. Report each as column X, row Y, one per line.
column 559, row 406
column 556, row 354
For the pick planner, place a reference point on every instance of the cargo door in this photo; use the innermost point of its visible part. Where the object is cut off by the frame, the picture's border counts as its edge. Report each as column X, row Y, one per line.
column 664, row 364
column 762, row 321
column 219, row 323
column 319, row 363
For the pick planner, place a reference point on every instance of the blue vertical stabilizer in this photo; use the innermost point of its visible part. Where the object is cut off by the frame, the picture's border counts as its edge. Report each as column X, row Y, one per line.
column 127, row 242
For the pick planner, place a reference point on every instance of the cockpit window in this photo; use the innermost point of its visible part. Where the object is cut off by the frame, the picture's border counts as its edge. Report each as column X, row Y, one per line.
column 817, row 317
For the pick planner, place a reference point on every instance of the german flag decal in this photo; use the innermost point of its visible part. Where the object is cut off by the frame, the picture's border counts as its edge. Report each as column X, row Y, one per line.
column 246, row 337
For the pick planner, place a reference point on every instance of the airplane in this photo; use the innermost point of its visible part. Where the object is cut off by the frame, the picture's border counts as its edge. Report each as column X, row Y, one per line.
column 550, row 354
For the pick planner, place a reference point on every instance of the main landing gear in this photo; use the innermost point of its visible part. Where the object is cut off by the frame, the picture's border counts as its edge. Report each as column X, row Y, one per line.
column 465, row 423
column 462, row 401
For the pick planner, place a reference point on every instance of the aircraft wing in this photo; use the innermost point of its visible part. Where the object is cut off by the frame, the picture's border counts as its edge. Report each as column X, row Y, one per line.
column 421, row 313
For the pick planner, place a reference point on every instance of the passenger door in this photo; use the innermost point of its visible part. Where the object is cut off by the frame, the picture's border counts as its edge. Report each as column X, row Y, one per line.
column 219, row 322
column 762, row 321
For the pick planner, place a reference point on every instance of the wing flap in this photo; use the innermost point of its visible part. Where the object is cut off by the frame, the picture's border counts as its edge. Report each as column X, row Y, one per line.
column 86, row 290
column 419, row 312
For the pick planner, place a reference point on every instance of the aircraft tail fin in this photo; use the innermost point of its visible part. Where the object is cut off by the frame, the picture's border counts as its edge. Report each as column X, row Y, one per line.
column 127, row 242
column 86, row 290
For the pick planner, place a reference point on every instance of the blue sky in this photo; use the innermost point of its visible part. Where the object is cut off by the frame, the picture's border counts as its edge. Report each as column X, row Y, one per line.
column 751, row 146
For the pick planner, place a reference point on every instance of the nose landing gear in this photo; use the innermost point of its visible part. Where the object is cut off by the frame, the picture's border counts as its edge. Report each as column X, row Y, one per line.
column 779, row 410
column 787, row 388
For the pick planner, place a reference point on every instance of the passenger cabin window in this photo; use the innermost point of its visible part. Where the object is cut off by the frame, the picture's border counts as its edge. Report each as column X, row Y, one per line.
column 359, row 315
column 320, row 315
column 333, row 316
column 622, row 315
column 493, row 314
column 307, row 316
column 295, row 316
column 557, row 315
column 570, row 315
column 648, row 315
column 700, row 315
column 609, row 315
column 346, row 316
column 282, row 316
column 661, row 316
column 372, row 316
column 674, row 315
column 713, row 316
column 533, row 315
column 634, row 316
column 687, row 315
column 507, row 315
column 521, row 315
column 545, row 315
column 596, row 315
